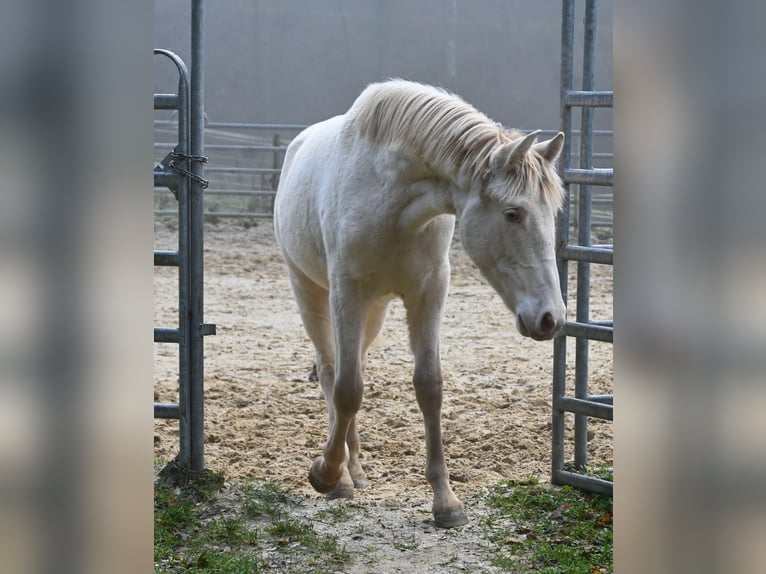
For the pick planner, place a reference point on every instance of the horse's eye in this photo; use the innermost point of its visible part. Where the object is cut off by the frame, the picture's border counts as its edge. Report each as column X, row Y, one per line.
column 514, row 215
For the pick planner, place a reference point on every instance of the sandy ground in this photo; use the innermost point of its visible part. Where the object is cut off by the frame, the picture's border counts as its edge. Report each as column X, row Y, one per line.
column 265, row 420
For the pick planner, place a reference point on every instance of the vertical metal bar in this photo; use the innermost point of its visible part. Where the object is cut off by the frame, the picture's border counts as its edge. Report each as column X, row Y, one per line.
column 184, row 453
column 560, row 343
column 277, row 164
column 584, row 233
column 196, row 260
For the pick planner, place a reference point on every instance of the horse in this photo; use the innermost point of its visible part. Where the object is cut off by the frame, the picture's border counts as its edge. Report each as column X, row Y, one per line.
column 365, row 212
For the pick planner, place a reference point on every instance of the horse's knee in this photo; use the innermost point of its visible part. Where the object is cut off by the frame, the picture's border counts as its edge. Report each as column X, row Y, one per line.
column 325, row 370
column 428, row 390
column 347, row 394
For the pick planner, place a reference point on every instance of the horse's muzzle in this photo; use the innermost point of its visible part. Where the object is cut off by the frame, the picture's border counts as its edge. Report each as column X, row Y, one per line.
column 540, row 328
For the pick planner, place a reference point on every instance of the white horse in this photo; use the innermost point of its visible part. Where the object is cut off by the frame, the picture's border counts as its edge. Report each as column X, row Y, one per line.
column 365, row 212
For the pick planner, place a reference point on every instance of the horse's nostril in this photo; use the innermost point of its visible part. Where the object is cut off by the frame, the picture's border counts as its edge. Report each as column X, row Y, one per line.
column 547, row 323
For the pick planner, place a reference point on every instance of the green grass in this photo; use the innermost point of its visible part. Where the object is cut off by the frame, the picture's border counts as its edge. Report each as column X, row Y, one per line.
column 249, row 532
column 339, row 512
column 267, row 500
column 547, row 530
column 203, row 525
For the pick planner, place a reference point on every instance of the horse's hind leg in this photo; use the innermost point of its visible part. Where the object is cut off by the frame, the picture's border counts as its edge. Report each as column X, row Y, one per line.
column 423, row 317
column 375, row 316
column 315, row 312
column 348, row 315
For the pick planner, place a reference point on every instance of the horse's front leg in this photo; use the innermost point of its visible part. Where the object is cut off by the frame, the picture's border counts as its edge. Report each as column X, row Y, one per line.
column 424, row 316
column 329, row 473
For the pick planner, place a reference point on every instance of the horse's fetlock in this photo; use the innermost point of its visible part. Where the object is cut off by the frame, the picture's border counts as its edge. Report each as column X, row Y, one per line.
column 435, row 475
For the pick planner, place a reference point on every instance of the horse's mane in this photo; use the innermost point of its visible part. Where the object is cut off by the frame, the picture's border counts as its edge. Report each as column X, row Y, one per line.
column 442, row 129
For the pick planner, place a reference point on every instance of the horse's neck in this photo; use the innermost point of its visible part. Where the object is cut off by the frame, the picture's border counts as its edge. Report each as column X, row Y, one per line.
column 428, row 194
column 459, row 178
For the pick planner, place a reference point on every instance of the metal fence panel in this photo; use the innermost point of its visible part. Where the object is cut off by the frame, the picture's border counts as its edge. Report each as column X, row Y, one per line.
column 583, row 252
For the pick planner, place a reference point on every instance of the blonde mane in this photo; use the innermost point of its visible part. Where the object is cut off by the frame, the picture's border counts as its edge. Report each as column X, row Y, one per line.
column 440, row 128
column 446, row 132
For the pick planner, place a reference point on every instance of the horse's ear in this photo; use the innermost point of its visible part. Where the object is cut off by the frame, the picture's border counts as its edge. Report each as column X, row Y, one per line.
column 551, row 149
column 504, row 158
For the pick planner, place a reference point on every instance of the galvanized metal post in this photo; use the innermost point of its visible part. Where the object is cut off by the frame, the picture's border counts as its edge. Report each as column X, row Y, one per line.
column 560, row 343
column 180, row 258
column 196, row 243
column 583, row 233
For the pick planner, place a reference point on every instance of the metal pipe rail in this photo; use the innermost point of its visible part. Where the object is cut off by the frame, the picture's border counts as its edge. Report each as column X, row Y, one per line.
column 165, row 177
column 585, row 407
column 590, row 254
column 589, row 99
column 590, row 176
column 583, row 329
column 185, row 180
column 590, row 331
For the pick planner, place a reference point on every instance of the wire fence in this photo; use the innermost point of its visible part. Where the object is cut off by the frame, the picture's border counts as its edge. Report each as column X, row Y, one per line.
column 245, row 161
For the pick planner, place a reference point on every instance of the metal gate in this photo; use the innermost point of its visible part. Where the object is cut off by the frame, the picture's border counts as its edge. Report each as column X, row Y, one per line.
column 580, row 250
column 182, row 172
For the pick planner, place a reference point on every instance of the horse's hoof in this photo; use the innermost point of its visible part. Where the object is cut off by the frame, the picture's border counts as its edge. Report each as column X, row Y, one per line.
column 341, row 488
column 450, row 518
column 319, row 486
column 360, row 482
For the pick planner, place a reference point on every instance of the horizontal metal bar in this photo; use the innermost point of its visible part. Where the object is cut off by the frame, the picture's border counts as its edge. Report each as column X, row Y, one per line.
column 236, row 214
column 256, row 126
column 166, row 411
column 169, row 179
column 589, row 483
column 245, row 192
column 236, row 125
column 587, row 254
column 589, row 99
column 589, row 331
column 166, row 258
column 594, row 176
column 166, row 101
column 236, row 147
column 242, row 170
column 224, row 214
column 165, row 335
column 606, row 399
column 583, row 407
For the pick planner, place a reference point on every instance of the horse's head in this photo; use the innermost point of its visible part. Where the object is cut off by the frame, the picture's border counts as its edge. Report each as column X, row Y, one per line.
column 508, row 230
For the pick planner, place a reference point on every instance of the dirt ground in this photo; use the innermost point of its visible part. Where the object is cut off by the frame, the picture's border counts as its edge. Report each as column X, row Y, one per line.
column 265, row 420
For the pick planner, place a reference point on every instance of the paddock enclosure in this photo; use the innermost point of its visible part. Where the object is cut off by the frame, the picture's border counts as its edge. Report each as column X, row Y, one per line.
column 264, row 419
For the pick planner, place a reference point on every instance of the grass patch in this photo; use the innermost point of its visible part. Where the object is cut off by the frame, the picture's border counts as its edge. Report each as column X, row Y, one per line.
column 338, row 512
column 544, row 529
column 267, row 500
column 202, row 526
column 405, row 542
